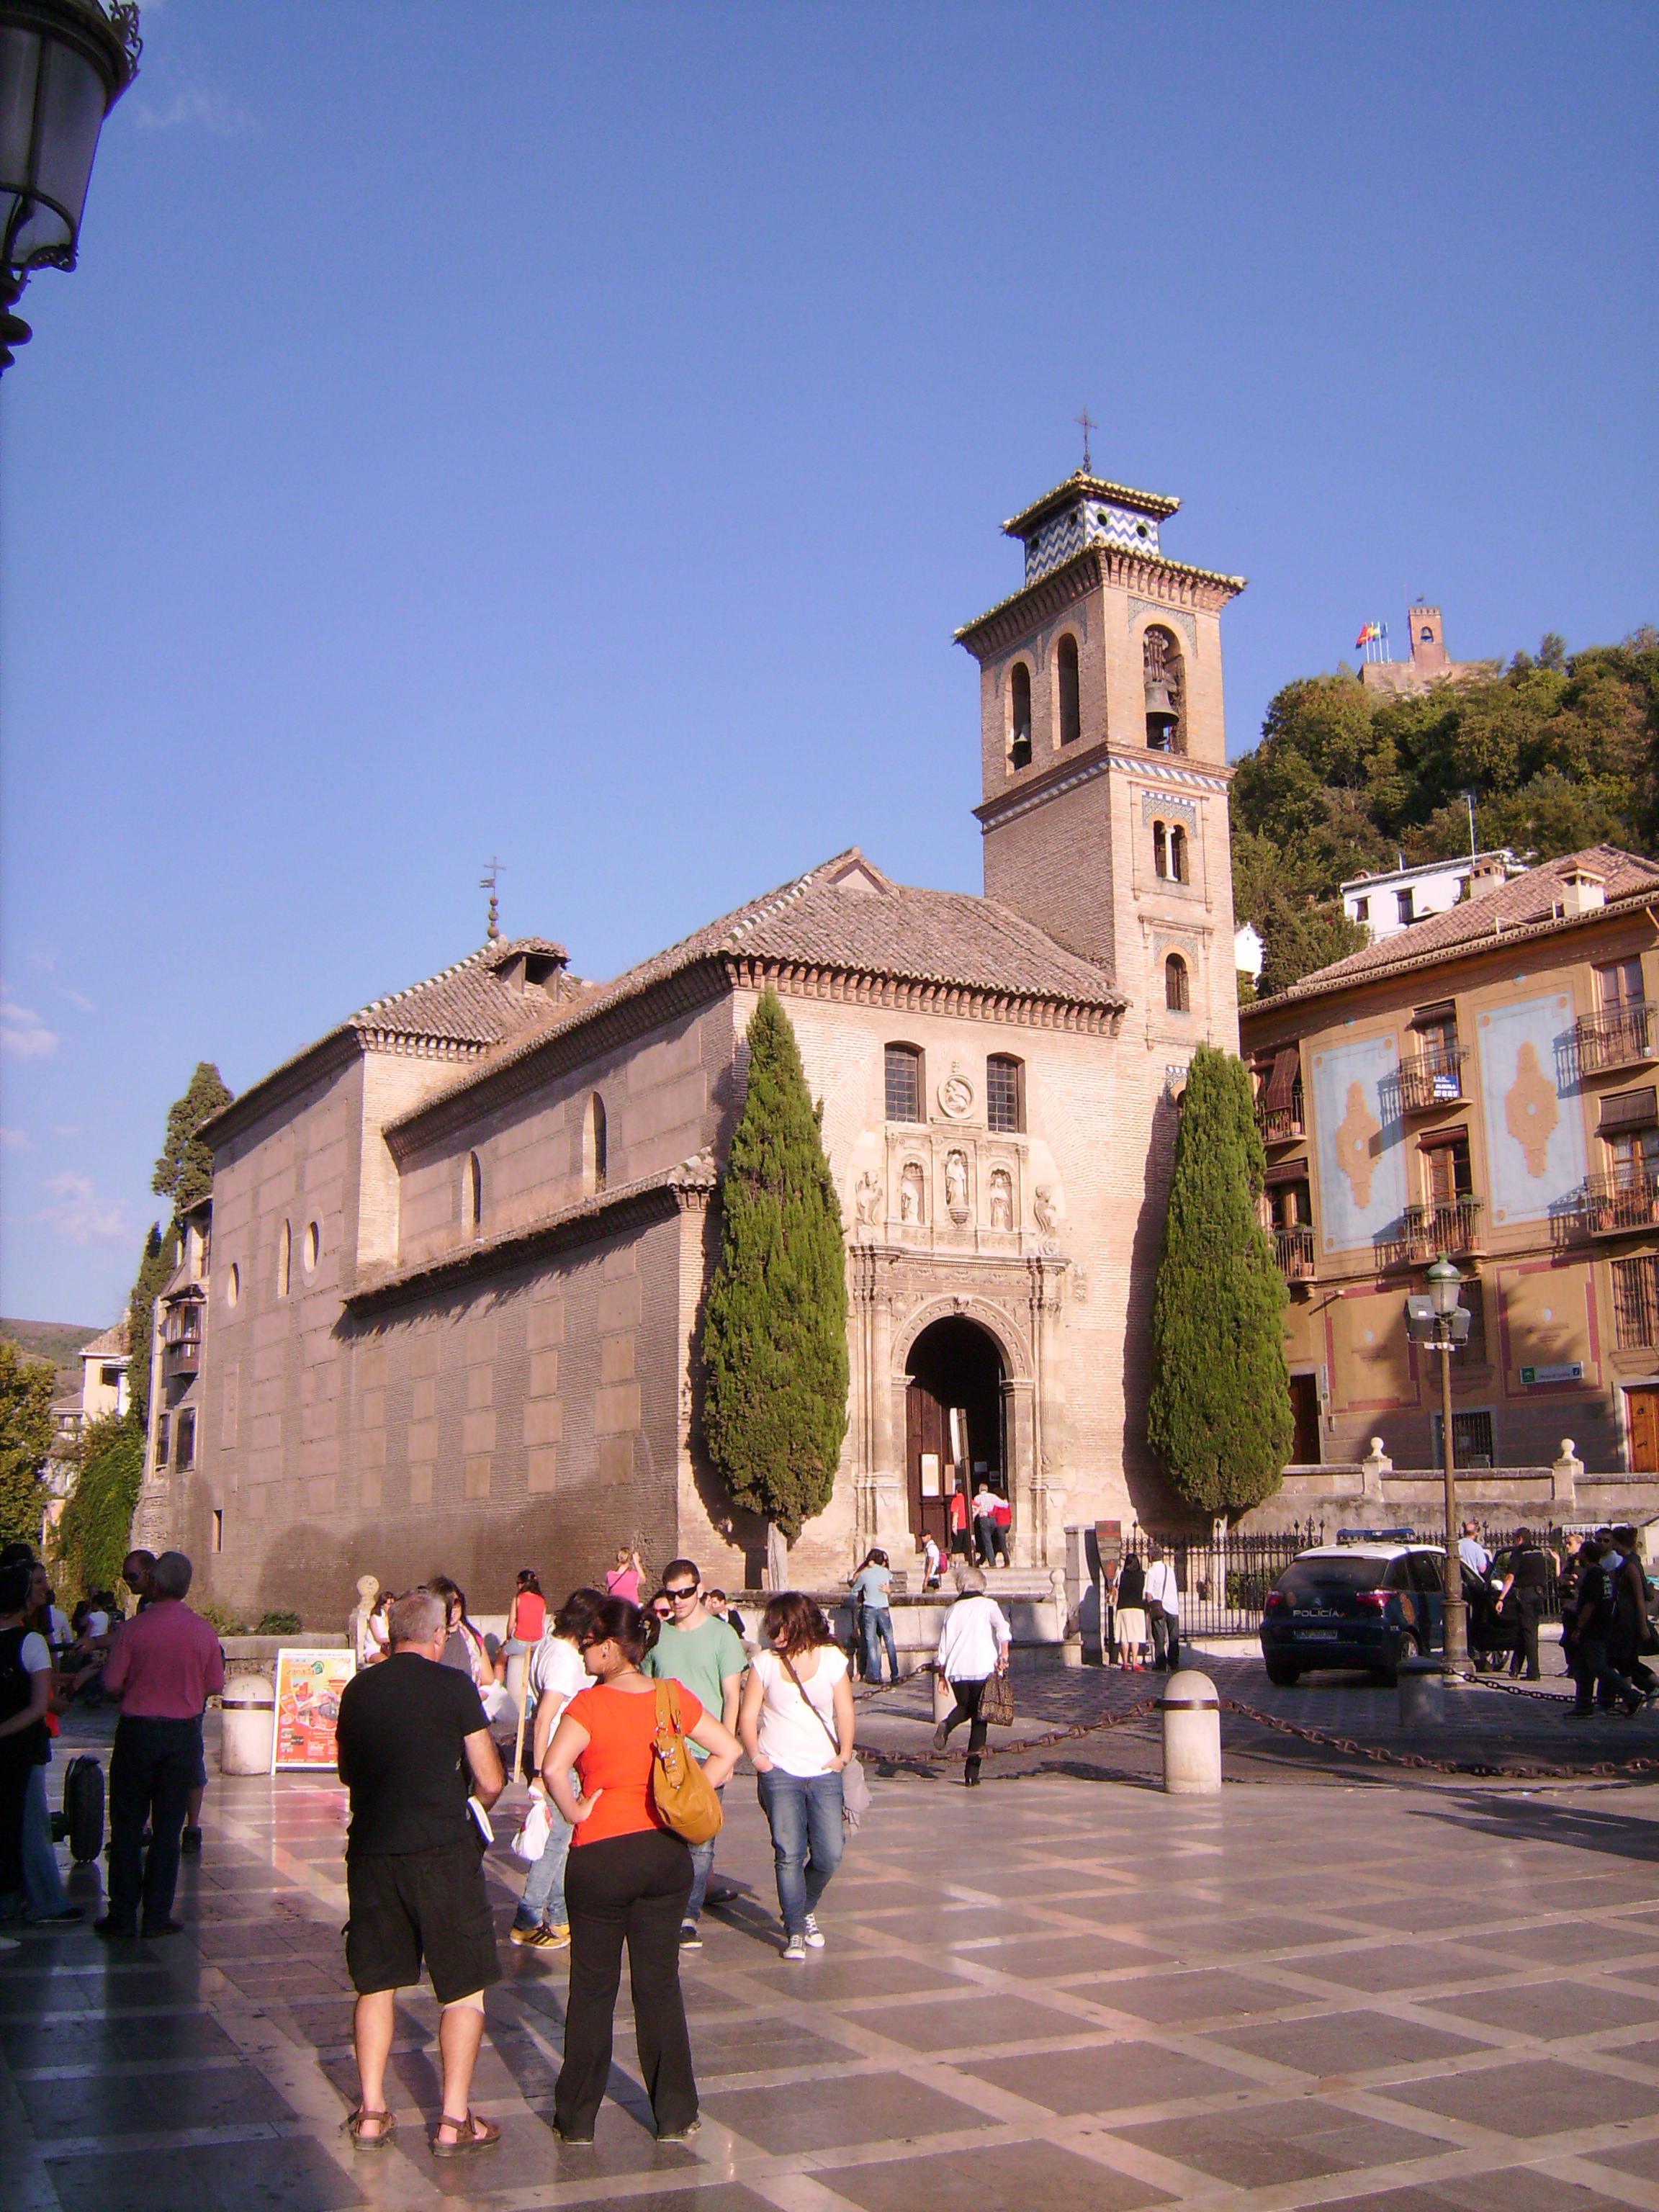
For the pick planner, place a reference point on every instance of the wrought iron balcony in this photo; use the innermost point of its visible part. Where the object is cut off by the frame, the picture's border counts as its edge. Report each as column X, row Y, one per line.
column 1613, row 1205
column 1282, row 1125
column 1429, row 1079
column 1293, row 1248
column 1425, row 1231
column 1622, row 1036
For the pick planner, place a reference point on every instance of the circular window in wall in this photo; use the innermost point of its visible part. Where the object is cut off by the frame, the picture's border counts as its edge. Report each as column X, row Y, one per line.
column 1141, row 531
column 314, row 1245
column 232, row 1285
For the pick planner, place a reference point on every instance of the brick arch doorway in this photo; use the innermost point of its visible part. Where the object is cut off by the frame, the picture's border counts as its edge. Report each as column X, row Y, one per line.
column 955, row 1421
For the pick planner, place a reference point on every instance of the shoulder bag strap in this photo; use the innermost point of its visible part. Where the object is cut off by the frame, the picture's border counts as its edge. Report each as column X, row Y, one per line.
column 809, row 1706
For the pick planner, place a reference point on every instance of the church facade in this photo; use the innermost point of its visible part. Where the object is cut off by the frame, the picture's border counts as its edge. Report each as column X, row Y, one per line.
column 460, row 1245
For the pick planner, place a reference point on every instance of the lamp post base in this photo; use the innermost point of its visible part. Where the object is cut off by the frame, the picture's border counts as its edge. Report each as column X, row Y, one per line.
column 1457, row 1661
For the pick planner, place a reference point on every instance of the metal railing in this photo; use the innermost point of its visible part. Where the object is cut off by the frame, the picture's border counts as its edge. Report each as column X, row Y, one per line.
column 1279, row 1125
column 1428, row 1080
column 1293, row 1248
column 1622, row 1037
column 1224, row 1587
column 1425, row 1231
column 1613, row 1205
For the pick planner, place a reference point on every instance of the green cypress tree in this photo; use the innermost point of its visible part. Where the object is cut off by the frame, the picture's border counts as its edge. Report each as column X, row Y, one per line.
column 184, row 1171
column 156, row 1265
column 774, row 1326
column 1220, row 1416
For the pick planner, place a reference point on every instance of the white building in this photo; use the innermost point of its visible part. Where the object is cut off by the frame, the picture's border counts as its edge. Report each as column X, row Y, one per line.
column 1396, row 897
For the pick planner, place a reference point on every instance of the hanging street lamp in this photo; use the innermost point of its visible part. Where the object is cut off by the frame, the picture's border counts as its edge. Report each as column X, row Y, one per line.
column 64, row 64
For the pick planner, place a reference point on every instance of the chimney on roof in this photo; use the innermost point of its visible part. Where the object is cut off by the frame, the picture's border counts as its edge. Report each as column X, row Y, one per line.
column 1583, row 892
column 1488, row 874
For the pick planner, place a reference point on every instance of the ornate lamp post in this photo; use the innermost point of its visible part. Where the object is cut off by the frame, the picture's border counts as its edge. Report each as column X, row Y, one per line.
column 1445, row 1283
column 64, row 64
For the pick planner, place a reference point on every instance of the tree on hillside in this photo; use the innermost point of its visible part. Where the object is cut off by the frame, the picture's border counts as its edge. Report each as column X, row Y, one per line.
column 1219, row 1413
column 184, row 1171
column 156, row 1265
column 1560, row 752
column 25, row 1438
column 92, row 1538
column 774, row 1326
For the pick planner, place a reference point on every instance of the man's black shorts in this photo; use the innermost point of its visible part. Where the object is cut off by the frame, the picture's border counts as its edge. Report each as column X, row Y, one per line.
column 405, row 1905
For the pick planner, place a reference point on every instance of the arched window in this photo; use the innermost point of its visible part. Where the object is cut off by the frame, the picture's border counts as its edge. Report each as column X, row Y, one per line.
column 312, row 1246
column 1426, row 635
column 1178, row 853
column 1166, row 718
column 1071, row 707
column 472, row 1196
column 232, row 1285
column 1160, row 851
column 1019, row 752
column 1005, row 1092
column 903, row 1084
column 284, row 1259
column 594, row 1144
column 1177, row 996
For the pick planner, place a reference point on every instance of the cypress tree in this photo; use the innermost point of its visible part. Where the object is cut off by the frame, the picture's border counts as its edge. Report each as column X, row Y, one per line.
column 1220, row 1416
column 184, row 1171
column 156, row 1266
column 774, row 1326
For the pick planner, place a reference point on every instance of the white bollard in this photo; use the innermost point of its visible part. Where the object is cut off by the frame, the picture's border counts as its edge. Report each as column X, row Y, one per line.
column 1192, row 1734
column 248, row 1725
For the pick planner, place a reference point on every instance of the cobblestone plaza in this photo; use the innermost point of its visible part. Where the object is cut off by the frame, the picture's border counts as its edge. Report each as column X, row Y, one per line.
column 1329, row 1985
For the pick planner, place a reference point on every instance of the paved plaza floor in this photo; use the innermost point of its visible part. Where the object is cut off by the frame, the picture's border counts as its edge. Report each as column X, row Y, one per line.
column 1055, row 1991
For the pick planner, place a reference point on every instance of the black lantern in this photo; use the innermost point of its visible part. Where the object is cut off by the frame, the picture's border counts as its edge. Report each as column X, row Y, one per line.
column 63, row 64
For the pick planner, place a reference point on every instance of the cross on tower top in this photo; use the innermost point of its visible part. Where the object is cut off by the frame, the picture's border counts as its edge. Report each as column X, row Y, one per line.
column 487, row 883
column 1086, row 423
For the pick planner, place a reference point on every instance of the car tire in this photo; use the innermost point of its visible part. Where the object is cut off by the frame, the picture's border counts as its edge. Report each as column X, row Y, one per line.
column 1281, row 1676
column 1388, row 1678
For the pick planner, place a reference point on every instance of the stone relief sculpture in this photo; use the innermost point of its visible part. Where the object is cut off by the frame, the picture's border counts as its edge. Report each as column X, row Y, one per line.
column 956, row 1095
column 1002, row 1199
column 1042, row 1205
column 868, row 1200
column 1356, row 1140
column 910, row 1194
column 956, row 1184
column 1530, row 1112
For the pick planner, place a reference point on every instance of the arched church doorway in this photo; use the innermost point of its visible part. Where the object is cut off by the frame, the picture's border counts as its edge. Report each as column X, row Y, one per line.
column 955, row 1429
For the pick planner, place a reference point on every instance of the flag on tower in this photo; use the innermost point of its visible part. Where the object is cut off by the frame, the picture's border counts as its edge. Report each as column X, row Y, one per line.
column 1369, row 634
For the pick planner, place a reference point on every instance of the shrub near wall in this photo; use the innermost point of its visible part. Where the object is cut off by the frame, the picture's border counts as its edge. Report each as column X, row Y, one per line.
column 96, row 1533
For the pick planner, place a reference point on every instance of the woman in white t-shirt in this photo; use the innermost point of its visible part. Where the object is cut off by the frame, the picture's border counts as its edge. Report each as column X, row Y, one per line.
column 796, row 1724
column 972, row 1647
column 553, row 1675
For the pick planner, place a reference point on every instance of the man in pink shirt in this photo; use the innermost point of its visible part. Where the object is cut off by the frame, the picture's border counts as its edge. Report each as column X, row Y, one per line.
column 165, row 1665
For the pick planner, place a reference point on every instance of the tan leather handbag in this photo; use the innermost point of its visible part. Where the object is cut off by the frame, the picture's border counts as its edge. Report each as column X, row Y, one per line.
column 684, row 1796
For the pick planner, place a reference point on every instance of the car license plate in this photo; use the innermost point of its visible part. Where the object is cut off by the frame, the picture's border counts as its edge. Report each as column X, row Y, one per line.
column 1317, row 1635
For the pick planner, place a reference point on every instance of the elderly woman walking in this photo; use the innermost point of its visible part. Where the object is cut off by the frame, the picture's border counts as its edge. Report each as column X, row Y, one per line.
column 973, row 1646
column 796, row 1722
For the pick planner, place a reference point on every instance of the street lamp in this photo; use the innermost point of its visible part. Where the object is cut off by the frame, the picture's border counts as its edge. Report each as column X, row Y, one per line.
column 1445, row 1283
column 64, row 64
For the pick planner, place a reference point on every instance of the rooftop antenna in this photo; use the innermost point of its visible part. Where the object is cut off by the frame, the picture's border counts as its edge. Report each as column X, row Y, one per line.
column 487, row 883
column 1086, row 423
column 1468, row 801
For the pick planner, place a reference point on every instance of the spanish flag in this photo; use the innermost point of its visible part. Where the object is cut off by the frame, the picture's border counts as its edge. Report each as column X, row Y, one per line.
column 1369, row 635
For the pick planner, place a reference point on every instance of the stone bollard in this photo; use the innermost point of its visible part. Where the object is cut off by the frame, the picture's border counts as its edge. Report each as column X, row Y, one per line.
column 248, row 1729
column 1192, row 1734
column 1422, row 1693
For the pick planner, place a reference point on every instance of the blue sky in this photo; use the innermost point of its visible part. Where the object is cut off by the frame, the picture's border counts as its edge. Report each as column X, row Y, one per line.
column 575, row 435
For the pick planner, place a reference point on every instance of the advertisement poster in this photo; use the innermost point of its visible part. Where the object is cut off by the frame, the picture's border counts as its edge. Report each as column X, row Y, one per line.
column 308, row 1687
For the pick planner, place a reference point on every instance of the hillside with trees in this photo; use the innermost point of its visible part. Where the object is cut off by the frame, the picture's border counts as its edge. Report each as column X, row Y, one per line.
column 1558, row 752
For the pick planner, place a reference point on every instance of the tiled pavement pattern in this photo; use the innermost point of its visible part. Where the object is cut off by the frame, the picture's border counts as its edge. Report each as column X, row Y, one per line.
column 1051, row 1992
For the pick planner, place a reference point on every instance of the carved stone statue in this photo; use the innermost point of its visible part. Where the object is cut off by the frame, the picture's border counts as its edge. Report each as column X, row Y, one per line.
column 1042, row 1205
column 955, row 1183
column 867, row 1199
column 1002, row 1199
column 956, row 1095
column 910, row 1194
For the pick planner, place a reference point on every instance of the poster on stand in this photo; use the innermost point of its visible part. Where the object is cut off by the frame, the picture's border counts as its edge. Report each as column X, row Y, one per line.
column 308, row 1687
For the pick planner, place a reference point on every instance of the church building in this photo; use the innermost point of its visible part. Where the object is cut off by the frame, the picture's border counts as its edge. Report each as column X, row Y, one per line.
column 461, row 1244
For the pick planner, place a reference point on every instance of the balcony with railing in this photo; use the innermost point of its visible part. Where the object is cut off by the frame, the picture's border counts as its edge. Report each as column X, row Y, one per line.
column 181, row 1351
column 1431, row 1079
column 1618, row 1036
column 1282, row 1125
column 1614, row 1204
column 1293, row 1248
column 1423, row 1232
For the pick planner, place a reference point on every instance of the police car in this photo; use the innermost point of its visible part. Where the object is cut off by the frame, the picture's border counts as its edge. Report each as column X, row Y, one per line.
column 1373, row 1598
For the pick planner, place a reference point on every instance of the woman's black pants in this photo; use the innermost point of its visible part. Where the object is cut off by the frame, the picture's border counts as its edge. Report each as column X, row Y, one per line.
column 968, row 1695
column 631, row 1888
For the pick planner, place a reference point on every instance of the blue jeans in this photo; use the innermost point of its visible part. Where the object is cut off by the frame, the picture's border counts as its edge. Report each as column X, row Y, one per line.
column 803, row 1814
column 877, row 1621
column 42, row 1883
column 703, row 1865
column 543, row 1903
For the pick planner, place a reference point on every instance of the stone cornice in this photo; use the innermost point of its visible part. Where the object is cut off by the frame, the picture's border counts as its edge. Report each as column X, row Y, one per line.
column 963, row 1002
column 1172, row 582
column 1081, row 767
column 326, row 1057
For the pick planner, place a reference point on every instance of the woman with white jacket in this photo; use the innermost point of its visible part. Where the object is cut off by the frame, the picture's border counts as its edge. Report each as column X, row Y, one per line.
column 973, row 1647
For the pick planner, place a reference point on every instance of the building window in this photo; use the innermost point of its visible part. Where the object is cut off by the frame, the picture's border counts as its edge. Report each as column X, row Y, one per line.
column 312, row 1248
column 1019, row 753
column 185, row 1458
column 1160, row 851
column 1178, row 853
column 1362, row 909
column 473, row 1196
column 1070, row 709
column 1005, row 1101
column 903, row 1082
column 161, row 1428
column 1634, row 1157
column 232, row 1285
column 1177, row 994
column 1426, row 635
column 284, row 1259
column 1636, row 1302
column 1446, row 1173
column 1160, row 657
column 218, row 1528
column 110, row 1378
column 1618, row 984
column 595, row 1163
column 1472, row 1440
column 1402, row 903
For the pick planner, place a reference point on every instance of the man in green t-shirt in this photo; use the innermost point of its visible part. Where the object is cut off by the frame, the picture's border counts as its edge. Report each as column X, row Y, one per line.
column 708, row 1657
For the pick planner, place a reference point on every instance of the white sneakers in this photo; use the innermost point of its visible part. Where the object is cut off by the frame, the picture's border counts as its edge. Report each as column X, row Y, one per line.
column 795, row 1947
column 814, row 1935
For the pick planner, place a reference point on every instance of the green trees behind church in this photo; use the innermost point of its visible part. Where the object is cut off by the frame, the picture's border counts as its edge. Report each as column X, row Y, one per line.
column 1220, row 1416
column 1561, row 752
column 774, row 1326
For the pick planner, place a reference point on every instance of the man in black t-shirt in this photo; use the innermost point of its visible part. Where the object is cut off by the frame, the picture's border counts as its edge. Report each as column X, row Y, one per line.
column 1522, row 1600
column 414, row 1745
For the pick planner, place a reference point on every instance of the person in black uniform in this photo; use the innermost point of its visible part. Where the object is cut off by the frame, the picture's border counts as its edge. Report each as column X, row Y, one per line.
column 1521, row 1600
column 1592, row 1671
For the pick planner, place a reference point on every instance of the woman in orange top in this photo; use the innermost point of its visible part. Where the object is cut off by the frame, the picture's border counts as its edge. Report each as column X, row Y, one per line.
column 629, row 1876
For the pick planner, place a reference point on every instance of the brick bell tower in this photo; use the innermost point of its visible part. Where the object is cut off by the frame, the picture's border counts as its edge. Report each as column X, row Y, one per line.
column 1104, row 758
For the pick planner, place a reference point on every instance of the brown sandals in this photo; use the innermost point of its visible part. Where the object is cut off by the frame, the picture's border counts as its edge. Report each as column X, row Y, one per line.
column 472, row 2133
column 354, row 2128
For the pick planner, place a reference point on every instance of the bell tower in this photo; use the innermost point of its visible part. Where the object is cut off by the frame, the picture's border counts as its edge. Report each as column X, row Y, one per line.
column 1103, row 756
